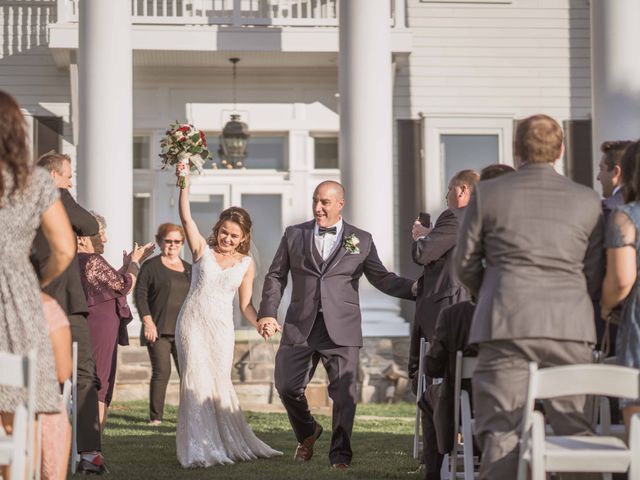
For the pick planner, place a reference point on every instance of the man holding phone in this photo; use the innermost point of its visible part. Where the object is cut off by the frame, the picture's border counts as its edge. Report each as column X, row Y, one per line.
column 433, row 249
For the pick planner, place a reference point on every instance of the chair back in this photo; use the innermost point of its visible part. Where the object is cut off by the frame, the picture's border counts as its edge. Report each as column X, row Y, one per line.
column 465, row 366
column 583, row 379
column 586, row 379
column 20, row 372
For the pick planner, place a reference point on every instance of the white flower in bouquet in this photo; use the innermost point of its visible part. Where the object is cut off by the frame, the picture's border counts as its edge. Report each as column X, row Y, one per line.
column 184, row 144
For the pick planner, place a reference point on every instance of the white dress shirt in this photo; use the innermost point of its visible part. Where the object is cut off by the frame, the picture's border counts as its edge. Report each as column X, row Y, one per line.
column 326, row 243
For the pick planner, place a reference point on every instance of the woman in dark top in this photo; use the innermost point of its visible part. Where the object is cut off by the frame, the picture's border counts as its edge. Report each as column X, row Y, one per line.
column 162, row 286
column 106, row 290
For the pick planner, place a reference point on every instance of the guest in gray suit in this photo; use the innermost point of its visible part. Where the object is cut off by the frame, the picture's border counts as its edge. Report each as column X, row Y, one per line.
column 326, row 258
column 530, row 249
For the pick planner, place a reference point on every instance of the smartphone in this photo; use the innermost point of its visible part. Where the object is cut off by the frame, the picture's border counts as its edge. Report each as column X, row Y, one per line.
column 425, row 219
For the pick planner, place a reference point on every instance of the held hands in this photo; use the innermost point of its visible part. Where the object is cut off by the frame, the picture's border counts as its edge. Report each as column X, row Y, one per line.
column 267, row 327
column 419, row 230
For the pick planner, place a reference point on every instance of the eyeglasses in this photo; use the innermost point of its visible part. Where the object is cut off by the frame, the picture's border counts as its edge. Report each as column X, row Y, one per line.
column 170, row 242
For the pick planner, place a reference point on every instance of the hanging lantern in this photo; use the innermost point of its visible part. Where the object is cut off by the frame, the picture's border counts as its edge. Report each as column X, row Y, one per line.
column 235, row 135
column 233, row 143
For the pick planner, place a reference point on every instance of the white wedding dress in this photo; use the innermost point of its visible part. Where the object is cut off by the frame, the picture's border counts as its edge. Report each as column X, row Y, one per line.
column 211, row 427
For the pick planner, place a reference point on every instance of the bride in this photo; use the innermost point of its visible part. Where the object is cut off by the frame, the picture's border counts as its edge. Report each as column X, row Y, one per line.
column 211, row 427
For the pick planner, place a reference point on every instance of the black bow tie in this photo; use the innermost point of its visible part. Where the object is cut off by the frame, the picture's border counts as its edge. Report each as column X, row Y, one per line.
column 323, row 230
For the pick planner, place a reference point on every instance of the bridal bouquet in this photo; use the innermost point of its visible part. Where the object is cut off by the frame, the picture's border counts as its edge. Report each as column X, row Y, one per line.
column 186, row 145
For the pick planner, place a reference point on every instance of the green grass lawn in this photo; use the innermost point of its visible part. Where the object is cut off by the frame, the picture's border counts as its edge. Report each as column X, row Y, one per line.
column 381, row 442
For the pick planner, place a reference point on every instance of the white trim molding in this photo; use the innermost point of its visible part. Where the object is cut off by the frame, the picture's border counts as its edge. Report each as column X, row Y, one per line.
column 437, row 124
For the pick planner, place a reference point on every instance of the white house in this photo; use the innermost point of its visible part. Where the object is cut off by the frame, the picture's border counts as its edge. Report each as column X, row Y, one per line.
column 390, row 96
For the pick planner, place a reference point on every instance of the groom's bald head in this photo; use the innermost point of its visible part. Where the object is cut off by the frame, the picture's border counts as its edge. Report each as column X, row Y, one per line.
column 331, row 187
column 328, row 200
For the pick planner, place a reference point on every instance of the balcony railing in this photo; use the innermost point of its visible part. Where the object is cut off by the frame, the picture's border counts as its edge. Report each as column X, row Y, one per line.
column 236, row 13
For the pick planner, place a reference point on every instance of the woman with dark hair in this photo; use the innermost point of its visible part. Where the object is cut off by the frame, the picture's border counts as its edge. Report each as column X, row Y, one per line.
column 623, row 259
column 28, row 199
column 211, row 427
column 106, row 290
column 162, row 286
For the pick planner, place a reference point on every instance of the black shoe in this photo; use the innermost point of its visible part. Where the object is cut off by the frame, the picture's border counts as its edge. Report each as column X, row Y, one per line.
column 94, row 467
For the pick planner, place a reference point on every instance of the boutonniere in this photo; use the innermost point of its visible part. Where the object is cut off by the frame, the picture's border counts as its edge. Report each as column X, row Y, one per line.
column 351, row 244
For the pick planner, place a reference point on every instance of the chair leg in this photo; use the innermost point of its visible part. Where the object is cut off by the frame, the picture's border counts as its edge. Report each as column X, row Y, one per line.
column 453, row 458
column 74, row 457
column 634, row 447
column 467, row 449
column 538, row 469
column 416, row 435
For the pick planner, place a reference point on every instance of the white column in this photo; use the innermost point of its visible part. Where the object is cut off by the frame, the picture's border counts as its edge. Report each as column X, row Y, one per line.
column 615, row 72
column 105, row 166
column 366, row 145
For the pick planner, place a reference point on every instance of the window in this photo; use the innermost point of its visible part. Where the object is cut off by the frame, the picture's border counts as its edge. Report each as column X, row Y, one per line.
column 266, row 152
column 141, row 151
column 141, row 218
column 461, row 152
column 454, row 142
column 325, row 152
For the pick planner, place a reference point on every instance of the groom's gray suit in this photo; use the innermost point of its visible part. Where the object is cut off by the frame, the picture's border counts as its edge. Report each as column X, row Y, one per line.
column 323, row 322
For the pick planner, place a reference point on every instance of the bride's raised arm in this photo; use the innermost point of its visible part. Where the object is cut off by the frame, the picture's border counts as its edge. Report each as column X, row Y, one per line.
column 197, row 243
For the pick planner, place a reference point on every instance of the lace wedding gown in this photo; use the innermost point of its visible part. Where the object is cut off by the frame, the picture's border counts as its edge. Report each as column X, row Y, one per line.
column 211, row 427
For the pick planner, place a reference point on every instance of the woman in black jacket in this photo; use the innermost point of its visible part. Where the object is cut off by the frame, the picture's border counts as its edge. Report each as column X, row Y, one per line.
column 162, row 286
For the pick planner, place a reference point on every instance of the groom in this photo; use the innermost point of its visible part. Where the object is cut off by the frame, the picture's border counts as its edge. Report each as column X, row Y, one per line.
column 326, row 258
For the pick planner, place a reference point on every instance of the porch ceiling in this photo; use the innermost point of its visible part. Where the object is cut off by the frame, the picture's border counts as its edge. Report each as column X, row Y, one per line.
column 212, row 46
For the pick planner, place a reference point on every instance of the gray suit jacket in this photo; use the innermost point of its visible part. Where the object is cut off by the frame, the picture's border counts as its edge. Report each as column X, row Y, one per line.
column 334, row 285
column 530, row 248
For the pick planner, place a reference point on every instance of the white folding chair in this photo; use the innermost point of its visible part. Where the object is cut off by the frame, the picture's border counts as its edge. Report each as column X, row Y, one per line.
column 422, row 386
column 462, row 419
column 552, row 453
column 74, row 458
column 18, row 450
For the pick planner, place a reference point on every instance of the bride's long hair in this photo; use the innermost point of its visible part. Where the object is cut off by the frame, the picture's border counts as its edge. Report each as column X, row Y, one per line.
column 240, row 217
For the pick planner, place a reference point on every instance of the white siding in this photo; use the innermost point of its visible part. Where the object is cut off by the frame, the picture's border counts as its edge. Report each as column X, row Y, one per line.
column 27, row 69
column 521, row 58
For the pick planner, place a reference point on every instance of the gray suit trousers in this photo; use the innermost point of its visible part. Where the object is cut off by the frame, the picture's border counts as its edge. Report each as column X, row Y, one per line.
column 499, row 393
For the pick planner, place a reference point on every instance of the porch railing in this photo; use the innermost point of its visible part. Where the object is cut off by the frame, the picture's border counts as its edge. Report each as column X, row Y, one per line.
column 236, row 13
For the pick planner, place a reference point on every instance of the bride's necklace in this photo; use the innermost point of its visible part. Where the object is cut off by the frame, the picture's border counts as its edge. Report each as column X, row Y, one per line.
column 230, row 254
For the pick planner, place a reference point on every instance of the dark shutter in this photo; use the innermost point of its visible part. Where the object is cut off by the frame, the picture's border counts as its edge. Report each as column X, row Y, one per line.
column 578, row 151
column 47, row 135
column 410, row 198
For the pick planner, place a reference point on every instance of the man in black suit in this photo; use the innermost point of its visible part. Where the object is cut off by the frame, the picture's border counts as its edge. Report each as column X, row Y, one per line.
column 67, row 291
column 326, row 258
column 432, row 248
column 437, row 402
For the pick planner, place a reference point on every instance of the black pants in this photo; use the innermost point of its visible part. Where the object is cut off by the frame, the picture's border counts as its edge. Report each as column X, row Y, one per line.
column 160, row 353
column 295, row 366
column 431, row 457
column 88, row 384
